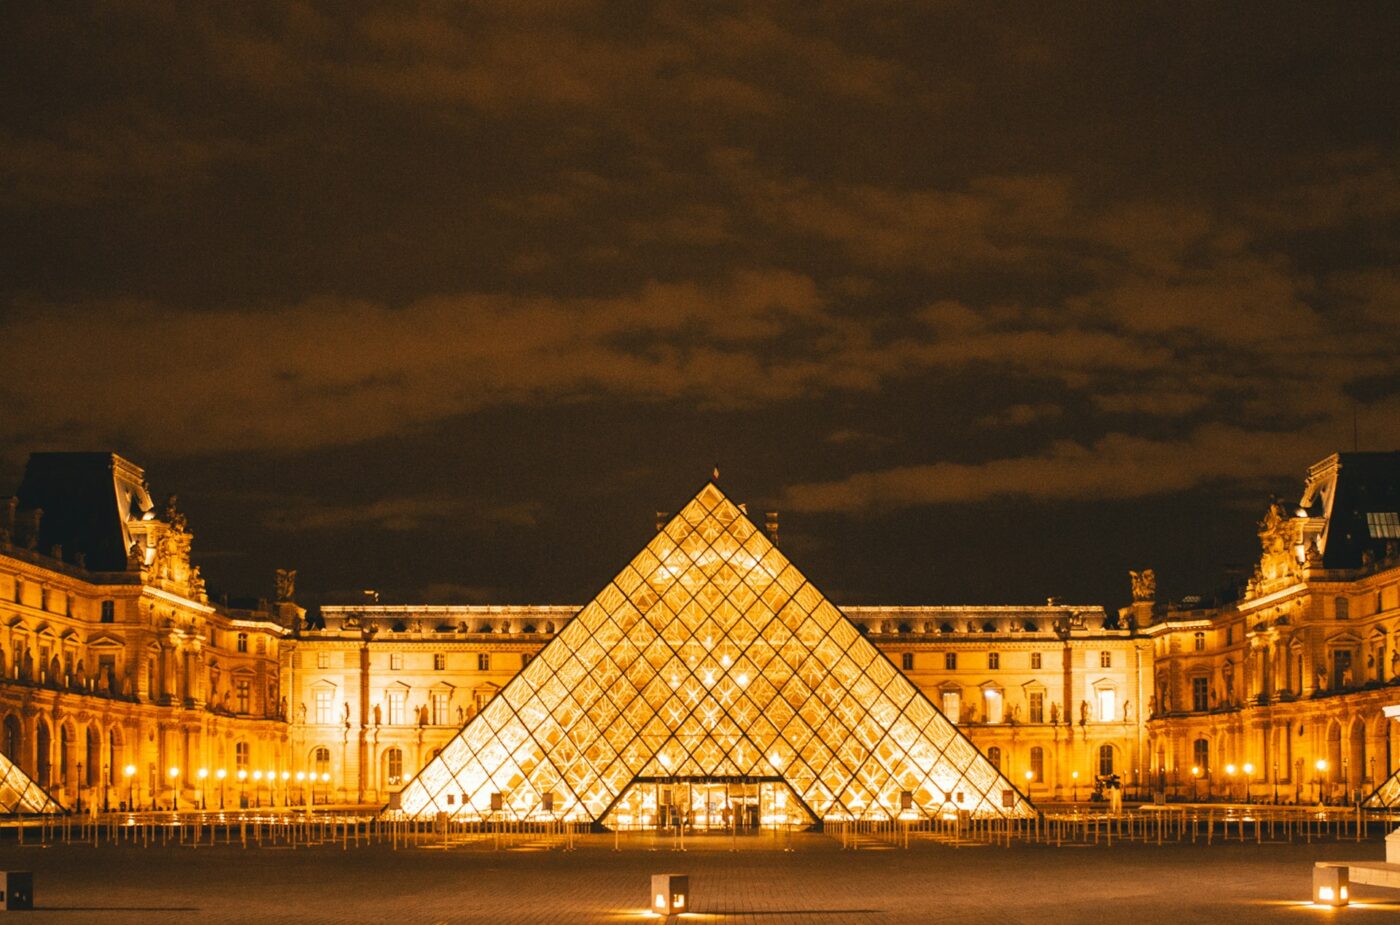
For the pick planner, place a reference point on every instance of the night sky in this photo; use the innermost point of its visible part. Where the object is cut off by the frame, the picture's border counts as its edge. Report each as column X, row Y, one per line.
column 992, row 302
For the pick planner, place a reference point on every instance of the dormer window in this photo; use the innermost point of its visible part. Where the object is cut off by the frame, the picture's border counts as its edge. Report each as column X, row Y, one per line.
column 1383, row 525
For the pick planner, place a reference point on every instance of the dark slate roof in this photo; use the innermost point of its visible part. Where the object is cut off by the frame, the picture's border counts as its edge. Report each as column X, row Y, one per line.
column 1366, row 483
column 79, row 495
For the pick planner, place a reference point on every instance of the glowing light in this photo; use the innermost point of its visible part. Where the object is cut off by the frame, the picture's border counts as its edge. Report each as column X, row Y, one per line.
column 221, row 774
column 174, row 773
column 1324, row 893
column 1230, row 769
column 129, row 770
column 203, row 773
column 301, row 776
column 1195, row 771
column 242, row 775
column 1321, row 764
column 1249, row 769
column 257, row 775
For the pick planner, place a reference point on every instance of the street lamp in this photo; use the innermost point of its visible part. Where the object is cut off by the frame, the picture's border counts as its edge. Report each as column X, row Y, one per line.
column 221, row 774
column 130, row 772
column 203, row 775
column 1195, row 780
column 80, row 786
column 1230, row 787
column 301, row 785
column 1074, row 786
column 242, row 788
column 257, row 789
column 175, row 788
column 1321, row 767
column 286, row 789
column 1248, row 773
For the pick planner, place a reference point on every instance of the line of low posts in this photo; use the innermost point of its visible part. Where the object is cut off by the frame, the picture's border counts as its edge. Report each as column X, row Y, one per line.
column 1201, row 824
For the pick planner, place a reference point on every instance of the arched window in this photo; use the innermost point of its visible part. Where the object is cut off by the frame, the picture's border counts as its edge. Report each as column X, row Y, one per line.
column 994, row 756
column 1105, row 760
column 1037, row 764
column 393, row 767
column 13, row 739
column 1200, row 756
column 242, row 756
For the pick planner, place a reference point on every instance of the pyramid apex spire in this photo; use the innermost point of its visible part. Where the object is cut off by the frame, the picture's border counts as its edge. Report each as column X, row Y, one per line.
column 714, row 476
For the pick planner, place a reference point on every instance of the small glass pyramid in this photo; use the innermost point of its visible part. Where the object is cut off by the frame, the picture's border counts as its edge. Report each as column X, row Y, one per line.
column 20, row 794
column 709, row 657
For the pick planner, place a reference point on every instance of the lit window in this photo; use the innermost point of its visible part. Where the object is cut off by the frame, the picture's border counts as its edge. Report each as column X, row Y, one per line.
column 906, row 661
column 395, row 661
column 242, row 642
column 483, row 661
column 993, row 660
column 109, row 612
column 991, row 696
column 1199, row 642
column 1341, row 607
column 1037, row 706
column 323, row 660
column 1384, row 525
column 440, row 717
column 1105, row 659
column 396, row 707
column 1105, row 760
column 1200, row 694
column 393, row 766
column 242, row 757
column 323, row 705
column 321, row 760
column 1035, row 660
column 1108, row 704
column 243, row 694
column 950, row 661
column 1037, row 763
column 994, row 756
column 952, row 705
column 1200, row 756
column 439, row 662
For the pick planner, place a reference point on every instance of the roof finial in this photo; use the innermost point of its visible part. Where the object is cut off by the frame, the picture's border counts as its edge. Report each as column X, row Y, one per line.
column 714, row 477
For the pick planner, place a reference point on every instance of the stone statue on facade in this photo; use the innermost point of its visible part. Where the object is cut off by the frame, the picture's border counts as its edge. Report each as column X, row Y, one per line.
column 286, row 585
column 1144, row 585
column 1083, row 712
column 1054, row 713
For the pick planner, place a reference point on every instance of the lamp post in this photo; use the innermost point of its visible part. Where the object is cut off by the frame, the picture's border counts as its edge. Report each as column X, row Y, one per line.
column 80, row 787
column 106, row 781
column 221, row 774
column 1030, row 777
column 325, row 779
column 1195, row 780
column 1248, row 774
column 242, row 788
column 257, row 790
column 1230, row 786
column 175, row 788
column 286, row 790
column 130, row 772
column 1321, row 766
column 301, row 785
column 203, row 776
column 1074, row 786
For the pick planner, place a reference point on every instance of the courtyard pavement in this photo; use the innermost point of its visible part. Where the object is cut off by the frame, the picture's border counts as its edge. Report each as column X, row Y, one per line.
column 816, row 882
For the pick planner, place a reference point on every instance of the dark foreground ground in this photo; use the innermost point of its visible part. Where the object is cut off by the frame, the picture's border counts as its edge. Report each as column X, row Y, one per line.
column 815, row 882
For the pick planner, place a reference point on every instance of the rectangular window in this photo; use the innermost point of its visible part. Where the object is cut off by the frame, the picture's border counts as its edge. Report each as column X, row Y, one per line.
column 1198, row 642
column 993, row 660
column 1037, row 706
column 1384, row 525
column 396, row 707
column 439, row 662
column 525, row 659
column 1200, row 694
column 1108, row 705
column 243, row 694
column 1035, row 660
column 952, row 705
column 1229, row 635
column 109, row 612
column 323, row 706
column 483, row 661
column 323, row 660
column 396, row 661
column 242, row 642
column 242, row 757
column 994, row 702
column 440, row 717
column 950, row 661
column 906, row 660
column 1105, row 659
column 1341, row 607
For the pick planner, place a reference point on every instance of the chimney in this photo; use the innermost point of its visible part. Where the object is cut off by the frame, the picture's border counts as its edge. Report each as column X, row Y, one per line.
column 661, row 518
column 770, row 526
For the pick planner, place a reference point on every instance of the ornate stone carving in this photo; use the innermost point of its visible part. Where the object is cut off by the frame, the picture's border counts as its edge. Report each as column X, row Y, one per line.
column 1144, row 585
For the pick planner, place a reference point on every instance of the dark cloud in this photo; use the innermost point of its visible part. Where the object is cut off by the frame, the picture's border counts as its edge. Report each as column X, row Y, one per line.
column 492, row 265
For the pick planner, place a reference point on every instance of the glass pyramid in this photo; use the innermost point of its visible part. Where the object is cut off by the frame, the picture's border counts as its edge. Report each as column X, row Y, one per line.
column 19, row 793
column 709, row 657
column 1386, row 796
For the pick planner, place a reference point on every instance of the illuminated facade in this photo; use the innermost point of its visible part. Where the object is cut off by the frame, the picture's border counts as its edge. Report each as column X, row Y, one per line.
column 121, row 680
column 1280, row 694
column 709, row 663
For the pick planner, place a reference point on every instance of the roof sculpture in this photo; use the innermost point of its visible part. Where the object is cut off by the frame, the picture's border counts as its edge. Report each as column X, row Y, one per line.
column 710, row 656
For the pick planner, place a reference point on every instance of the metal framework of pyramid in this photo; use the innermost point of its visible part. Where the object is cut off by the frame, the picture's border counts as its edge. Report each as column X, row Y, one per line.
column 709, row 657
column 20, row 794
column 1386, row 796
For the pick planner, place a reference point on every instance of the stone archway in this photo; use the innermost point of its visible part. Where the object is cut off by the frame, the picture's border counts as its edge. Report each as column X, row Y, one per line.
column 1356, row 755
column 43, row 754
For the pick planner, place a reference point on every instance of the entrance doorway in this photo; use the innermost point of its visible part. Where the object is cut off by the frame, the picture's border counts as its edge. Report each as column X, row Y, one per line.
column 742, row 805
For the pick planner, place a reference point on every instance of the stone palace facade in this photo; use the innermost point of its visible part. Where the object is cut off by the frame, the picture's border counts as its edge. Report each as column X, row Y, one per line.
column 122, row 683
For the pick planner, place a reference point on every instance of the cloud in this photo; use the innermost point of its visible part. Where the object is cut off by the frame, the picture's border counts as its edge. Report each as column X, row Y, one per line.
column 397, row 514
column 1116, row 466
